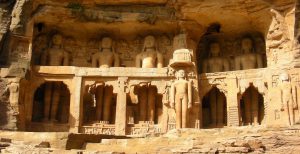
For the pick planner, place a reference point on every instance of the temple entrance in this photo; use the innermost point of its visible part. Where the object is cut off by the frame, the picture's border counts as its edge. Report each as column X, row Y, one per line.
column 99, row 104
column 214, row 109
column 51, row 103
column 251, row 107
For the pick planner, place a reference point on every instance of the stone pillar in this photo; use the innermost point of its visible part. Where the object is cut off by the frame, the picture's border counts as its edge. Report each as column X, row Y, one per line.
column 232, row 102
column 74, row 118
column 121, row 121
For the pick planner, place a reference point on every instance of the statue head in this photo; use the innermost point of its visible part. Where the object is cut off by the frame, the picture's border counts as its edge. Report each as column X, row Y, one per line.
column 106, row 43
column 284, row 77
column 247, row 45
column 180, row 74
column 57, row 39
column 214, row 49
column 149, row 42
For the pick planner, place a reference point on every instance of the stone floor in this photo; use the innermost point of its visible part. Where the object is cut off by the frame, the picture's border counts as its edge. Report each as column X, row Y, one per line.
column 185, row 141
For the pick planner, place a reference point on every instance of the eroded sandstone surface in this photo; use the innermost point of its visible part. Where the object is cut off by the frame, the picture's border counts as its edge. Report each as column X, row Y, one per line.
column 175, row 76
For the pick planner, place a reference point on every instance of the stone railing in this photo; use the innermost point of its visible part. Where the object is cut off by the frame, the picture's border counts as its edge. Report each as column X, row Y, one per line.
column 99, row 128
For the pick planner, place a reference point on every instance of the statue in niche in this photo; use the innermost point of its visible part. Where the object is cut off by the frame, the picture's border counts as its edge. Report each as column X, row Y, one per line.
column 51, row 100
column 251, row 106
column 249, row 59
column 107, row 57
column 103, row 96
column 217, row 101
column 215, row 63
column 56, row 55
column 181, row 98
column 150, row 56
column 147, row 101
column 288, row 98
column 39, row 46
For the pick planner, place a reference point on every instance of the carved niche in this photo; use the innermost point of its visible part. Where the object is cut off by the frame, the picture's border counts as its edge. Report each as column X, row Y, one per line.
column 227, row 50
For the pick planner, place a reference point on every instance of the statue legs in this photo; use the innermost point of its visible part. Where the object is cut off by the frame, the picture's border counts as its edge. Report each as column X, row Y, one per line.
column 143, row 98
column 47, row 100
column 108, row 92
column 55, row 100
column 247, row 109
column 290, row 113
column 213, row 107
column 178, row 110
column 254, row 107
column 151, row 103
column 220, row 110
column 99, row 102
column 184, row 111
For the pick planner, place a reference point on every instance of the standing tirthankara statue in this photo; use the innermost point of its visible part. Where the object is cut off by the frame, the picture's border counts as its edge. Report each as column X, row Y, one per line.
column 150, row 56
column 56, row 55
column 107, row 56
column 288, row 99
column 147, row 101
column 249, row 59
column 181, row 99
column 215, row 63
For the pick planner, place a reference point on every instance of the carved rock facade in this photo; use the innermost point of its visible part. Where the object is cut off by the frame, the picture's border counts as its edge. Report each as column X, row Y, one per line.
column 126, row 69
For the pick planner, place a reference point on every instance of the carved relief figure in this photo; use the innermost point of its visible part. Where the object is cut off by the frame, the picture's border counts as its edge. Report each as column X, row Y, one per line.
column 288, row 99
column 150, row 56
column 249, row 59
column 103, row 97
column 107, row 56
column 14, row 94
column 215, row 63
column 181, row 98
column 56, row 55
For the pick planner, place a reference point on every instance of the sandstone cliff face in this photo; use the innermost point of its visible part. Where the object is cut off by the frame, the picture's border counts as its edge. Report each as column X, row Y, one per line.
column 27, row 27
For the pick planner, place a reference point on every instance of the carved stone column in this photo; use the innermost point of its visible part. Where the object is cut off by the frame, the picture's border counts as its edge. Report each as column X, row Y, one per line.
column 74, row 118
column 121, row 89
column 232, row 102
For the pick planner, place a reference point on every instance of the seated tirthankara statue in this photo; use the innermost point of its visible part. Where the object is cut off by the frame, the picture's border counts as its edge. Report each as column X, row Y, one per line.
column 288, row 99
column 56, row 55
column 215, row 63
column 107, row 56
column 181, row 99
column 249, row 59
column 150, row 56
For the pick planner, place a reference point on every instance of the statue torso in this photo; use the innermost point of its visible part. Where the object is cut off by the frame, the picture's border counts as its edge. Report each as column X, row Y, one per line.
column 56, row 57
column 148, row 59
column 106, row 59
column 215, row 64
column 248, row 61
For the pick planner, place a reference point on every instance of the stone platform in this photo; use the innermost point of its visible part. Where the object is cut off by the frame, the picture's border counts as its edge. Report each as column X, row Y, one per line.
column 225, row 140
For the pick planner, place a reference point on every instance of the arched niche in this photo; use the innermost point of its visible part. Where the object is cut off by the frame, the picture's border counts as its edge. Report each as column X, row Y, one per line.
column 51, row 103
column 214, row 107
column 99, row 104
column 251, row 107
